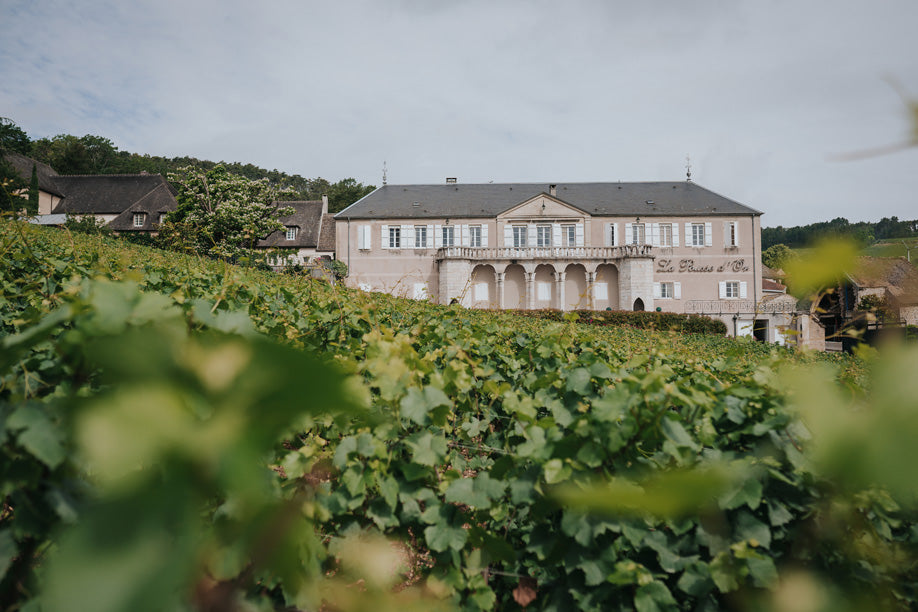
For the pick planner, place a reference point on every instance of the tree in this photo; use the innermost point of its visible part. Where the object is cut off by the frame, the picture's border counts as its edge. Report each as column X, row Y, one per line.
column 32, row 207
column 12, row 138
column 228, row 213
column 345, row 192
column 777, row 256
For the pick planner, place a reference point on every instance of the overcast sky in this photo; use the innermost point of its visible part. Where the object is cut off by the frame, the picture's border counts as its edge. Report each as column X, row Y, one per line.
column 761, row 95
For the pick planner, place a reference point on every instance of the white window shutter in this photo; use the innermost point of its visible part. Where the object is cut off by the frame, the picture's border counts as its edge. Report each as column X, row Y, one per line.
column 607, row 235
column 722, row 288
column 464, row 240
column 407, row 237
column 735, row 233
column 654, row 234
column 578, row 230
column 727, row 225
column 531, row 235
column 675, row 227
column 385, row 236
column 614, row 232
column 708, row 237
column 629, row 237
column 361, row 237
column 657, row 291
column 508, row 236
column 430, row 237
column 688, row 234
column 438, row 236
column 484, row 237
column 556, row 234
column 677, row 291
column 742, row 289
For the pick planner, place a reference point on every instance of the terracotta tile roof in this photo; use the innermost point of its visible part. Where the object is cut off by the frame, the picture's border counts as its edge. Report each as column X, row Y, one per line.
column 770, row 285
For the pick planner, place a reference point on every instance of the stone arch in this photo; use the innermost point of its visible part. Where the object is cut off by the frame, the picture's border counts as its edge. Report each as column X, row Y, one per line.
column 576, row 296
column 544, row 287
column 515, row 287
column 638, row 305
column 483, row 288
column 606, row 287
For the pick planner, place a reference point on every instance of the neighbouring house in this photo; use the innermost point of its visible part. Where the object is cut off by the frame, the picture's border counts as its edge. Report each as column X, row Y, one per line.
column 308, row 235
column 125, row 202
column 885, row 286
column 670, row 246
column 49, row 194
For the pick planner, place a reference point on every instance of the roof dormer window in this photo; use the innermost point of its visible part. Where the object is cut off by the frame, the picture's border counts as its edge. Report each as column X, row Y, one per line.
column 139, row 219
column 291, row 232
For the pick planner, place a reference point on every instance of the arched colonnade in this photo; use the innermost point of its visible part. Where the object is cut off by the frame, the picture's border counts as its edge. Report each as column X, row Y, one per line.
column 535, row 285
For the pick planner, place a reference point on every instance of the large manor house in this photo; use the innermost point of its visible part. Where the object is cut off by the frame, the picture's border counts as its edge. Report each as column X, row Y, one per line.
column 668, row 246
column 655, row 246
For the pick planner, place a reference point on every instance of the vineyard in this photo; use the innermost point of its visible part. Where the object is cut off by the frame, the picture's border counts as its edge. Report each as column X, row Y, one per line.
column 182, row 434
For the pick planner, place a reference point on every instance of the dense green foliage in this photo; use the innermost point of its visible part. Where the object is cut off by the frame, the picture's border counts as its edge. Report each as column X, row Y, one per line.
column 863, row 232
column 663, row 321
column 225, row 214
column 179, row 433
column 90, row 154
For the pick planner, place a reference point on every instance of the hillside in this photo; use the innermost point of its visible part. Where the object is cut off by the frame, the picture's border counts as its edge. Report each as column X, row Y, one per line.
column 186, row 433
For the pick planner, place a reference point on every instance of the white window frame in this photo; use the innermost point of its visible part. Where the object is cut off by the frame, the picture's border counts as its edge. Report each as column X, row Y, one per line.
column 666, row 234
column 448, row 236
column 290, row 232
column 569, row 235
column 543, row 235
column 731, row 234
column 142, row 217
column 475, row 237
column 395, row 237
column 731, row 290
column 519, row 236
column 420, row 236
column 638, row 233
column 697, row 234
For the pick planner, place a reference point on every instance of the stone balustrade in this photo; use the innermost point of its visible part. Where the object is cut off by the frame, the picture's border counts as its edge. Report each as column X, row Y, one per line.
column 545, row 253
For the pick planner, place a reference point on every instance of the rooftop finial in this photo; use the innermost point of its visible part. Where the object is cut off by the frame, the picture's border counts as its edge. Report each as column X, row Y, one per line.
column 384, row 173
column 688, row 168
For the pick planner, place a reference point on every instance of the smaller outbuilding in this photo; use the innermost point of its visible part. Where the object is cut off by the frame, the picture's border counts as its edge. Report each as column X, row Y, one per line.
column 308, row 235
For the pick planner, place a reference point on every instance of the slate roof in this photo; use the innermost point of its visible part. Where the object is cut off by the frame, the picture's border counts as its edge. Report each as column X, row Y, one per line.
column 460, row 200
column 307, row 217
column 327, row 235
column 156, row 203
column 23, row 165
column 108, row 194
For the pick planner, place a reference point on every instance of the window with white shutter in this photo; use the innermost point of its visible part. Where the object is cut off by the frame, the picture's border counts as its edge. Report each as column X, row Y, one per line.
column 384, row 238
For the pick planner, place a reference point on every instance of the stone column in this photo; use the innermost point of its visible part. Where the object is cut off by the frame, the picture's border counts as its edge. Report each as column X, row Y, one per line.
column 500, row 289
column 591, row 278
column 530, row 294
column 559, row 286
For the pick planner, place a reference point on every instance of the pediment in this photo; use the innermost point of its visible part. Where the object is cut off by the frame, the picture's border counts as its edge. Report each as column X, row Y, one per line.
column 543, row 206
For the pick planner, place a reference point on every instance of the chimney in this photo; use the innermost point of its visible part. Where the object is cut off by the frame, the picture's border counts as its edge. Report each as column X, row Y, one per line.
column 451, row 180
column 553, row 190
column 324, row 204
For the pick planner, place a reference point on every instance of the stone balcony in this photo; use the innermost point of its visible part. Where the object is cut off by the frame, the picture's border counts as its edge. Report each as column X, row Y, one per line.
column 628, row 251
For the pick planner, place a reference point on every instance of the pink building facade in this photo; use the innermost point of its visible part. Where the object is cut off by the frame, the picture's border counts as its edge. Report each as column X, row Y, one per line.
column 674, row 247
